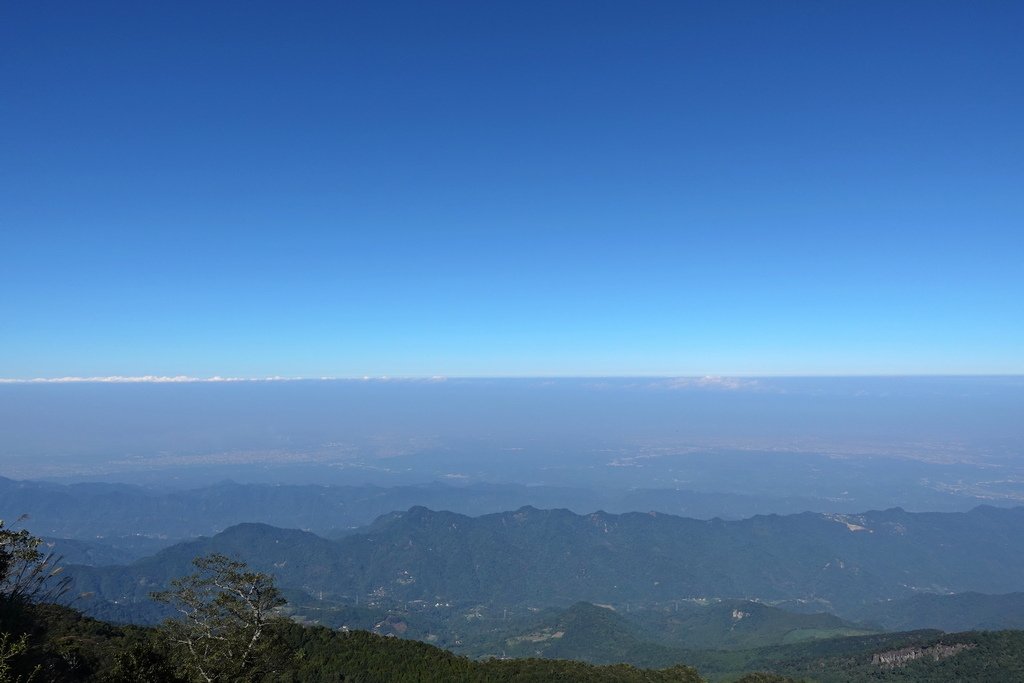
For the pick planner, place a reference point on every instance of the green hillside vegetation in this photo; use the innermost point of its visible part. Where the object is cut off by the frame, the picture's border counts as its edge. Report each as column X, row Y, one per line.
column 959, row 612
column 596, row 634
column 924, row 656
column 650, row 637
column 583, row 632
column 738, row 624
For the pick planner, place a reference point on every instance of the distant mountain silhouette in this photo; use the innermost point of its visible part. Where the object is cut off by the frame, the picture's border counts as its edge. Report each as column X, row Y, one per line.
column 555, row 557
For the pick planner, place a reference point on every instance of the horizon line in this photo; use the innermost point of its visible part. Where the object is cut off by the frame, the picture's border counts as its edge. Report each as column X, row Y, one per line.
column 698, row 377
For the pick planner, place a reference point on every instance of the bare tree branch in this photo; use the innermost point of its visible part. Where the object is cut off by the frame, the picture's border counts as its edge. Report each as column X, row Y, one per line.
column 226, row 629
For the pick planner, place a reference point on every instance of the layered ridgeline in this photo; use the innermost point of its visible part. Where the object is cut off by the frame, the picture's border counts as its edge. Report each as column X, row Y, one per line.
column 542, row 558
column 138, row 520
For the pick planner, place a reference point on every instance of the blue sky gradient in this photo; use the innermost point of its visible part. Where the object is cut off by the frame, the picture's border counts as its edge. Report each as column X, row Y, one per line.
column 514, row 188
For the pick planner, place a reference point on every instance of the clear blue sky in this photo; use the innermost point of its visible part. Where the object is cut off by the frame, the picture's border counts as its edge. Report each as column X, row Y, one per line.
column 511, row 188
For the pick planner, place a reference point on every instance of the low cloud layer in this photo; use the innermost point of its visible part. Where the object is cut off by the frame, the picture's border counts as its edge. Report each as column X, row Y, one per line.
column 710, row 382
column 153, row 379
column 186, row 379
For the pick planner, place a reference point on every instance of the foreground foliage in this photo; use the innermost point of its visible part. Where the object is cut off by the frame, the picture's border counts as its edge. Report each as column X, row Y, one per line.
column 66, row 646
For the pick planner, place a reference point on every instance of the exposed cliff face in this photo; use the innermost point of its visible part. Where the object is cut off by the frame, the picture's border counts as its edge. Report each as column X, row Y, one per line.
column 897, row 658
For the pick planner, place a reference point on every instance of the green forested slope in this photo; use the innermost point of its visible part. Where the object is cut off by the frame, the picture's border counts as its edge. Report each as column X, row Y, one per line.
column 919, row 656
column 70, row 647
column 959, row 612
column 651, row 637
column 65, row 646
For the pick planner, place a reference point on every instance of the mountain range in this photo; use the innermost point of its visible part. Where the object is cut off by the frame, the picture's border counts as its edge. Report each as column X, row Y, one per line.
column 139, row 520
column 529, row 557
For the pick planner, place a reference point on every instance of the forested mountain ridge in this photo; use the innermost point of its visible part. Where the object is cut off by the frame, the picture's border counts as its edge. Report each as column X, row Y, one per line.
column 555, row 557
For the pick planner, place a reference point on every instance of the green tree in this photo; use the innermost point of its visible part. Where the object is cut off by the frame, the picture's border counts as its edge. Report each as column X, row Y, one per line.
column 142, row 661
column 9, row 651
column 227, row 629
